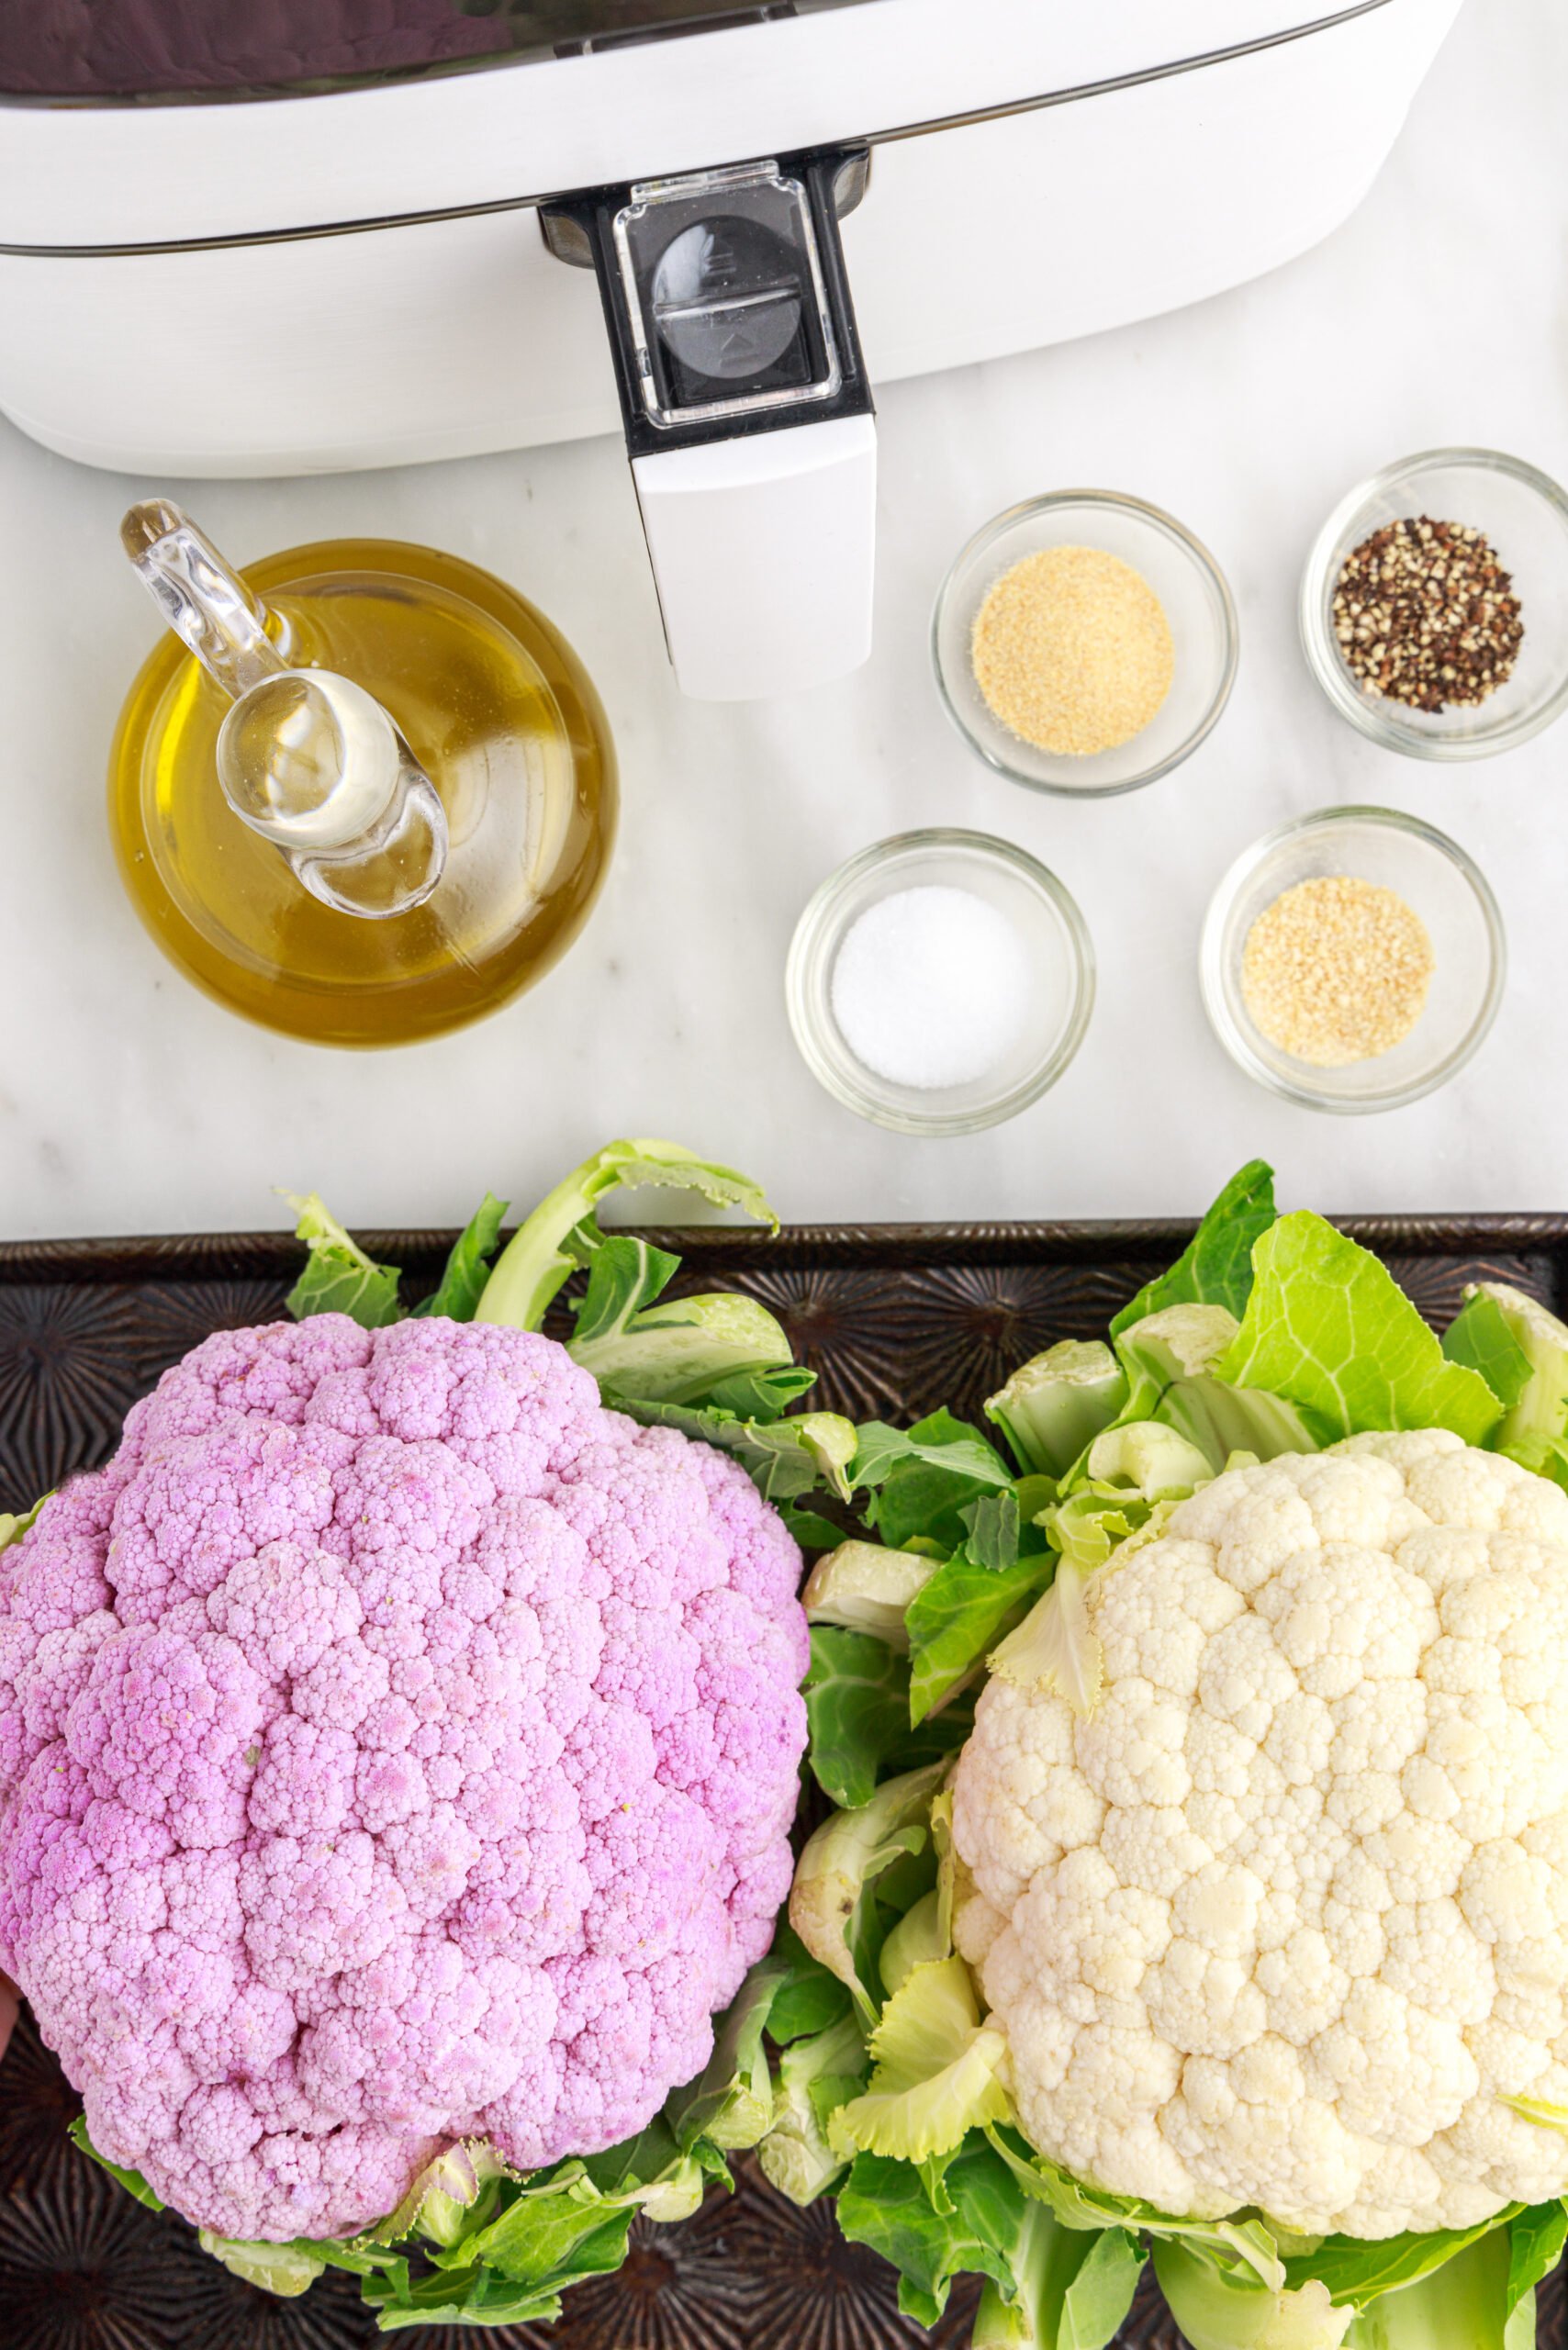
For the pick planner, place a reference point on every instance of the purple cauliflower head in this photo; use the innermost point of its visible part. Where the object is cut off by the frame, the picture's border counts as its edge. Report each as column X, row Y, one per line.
column 395, row 1745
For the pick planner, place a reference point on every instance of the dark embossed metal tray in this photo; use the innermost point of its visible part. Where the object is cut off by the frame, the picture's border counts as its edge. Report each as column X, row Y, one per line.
column 897, row 1319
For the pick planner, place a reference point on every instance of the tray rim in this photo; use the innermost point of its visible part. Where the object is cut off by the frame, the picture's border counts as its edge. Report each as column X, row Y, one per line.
column 236, row 1256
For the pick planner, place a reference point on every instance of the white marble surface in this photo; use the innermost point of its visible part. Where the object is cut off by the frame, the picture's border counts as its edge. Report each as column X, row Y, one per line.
column 128, row 1103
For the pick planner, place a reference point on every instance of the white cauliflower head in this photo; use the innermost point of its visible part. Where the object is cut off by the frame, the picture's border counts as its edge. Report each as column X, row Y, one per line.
column 1284, row 1922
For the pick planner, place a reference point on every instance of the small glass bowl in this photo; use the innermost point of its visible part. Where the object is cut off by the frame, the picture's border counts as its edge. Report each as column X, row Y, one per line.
column 1437, row 879
column 1525, row 515
column 1183, row 574
column 1059, row 998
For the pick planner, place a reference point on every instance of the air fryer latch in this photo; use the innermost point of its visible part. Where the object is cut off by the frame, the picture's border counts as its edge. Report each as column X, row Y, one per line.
column 724, row 293
column 570, row 240
column 747, row 410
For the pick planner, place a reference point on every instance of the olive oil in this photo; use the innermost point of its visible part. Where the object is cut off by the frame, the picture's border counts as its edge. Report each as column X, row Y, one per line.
column 502, row 718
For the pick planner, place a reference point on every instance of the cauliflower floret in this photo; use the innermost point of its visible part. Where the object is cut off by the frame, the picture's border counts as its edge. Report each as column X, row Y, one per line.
column 1283, row 1922
column 395, row 1745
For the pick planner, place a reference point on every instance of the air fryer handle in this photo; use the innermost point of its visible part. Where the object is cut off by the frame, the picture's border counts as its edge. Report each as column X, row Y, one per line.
column 748, row 416
column 763, row 551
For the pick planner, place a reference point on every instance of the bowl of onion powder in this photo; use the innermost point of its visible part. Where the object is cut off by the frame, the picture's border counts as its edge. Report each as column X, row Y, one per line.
column 939, row 982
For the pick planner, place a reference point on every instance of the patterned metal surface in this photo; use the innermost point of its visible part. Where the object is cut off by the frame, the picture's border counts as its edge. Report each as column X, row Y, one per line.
column 896, row 1320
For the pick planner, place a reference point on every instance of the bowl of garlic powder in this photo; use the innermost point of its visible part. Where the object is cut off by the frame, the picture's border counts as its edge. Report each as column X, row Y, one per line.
column 1354, row 960
column 1084, row 643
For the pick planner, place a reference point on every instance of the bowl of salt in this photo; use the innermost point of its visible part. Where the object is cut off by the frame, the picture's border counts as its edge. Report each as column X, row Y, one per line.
column 939, row 982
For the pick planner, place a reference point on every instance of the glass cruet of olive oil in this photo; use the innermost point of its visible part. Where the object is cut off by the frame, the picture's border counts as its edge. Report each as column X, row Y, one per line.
column 461, row 845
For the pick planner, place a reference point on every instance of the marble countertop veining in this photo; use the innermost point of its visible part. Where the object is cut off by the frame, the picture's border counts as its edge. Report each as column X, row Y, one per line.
column 1439, row 313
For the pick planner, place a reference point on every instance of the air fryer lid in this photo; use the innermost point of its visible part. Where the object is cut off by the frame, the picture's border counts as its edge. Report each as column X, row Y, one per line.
column 149, row 49
column 255, row 136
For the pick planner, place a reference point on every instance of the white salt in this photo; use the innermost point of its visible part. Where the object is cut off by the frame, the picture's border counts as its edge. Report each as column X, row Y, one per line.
column 929, row 988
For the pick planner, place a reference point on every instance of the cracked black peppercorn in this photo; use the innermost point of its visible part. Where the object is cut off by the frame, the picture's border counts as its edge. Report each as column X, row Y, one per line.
column 1425, row 614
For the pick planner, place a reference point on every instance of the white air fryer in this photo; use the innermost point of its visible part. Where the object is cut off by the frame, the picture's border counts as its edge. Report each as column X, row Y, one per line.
column 394, row 229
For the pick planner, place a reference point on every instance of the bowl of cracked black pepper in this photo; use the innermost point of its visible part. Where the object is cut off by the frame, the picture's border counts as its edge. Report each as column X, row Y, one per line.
column 1353, row 960
column 1434, row 605
column 1084, row 643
